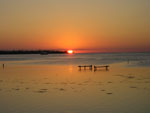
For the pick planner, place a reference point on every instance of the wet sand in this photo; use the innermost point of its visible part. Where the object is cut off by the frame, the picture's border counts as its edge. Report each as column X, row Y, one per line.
column 66, row 89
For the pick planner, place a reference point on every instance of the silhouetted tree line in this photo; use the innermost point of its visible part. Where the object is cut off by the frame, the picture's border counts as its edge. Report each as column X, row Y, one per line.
column 42, row 52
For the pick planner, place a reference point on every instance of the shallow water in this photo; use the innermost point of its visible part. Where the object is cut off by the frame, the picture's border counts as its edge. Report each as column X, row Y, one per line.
column 134, row 59
column 63, row 88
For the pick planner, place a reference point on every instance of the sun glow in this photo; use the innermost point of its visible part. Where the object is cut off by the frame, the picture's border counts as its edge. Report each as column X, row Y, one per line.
column 70, row 51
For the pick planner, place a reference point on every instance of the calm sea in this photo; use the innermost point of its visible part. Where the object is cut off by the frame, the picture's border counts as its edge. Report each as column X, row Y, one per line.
column 134, row 59
column 54, row 83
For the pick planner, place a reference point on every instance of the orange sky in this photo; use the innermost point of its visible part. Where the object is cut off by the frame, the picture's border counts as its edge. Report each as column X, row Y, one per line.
column 85, row 26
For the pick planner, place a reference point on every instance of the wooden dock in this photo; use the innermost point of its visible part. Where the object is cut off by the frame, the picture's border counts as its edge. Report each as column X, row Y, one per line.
column 86, row 66
column 95, row 67
column 106, row 67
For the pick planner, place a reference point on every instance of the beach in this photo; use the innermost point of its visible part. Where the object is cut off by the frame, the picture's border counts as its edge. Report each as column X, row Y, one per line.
column 38, row 86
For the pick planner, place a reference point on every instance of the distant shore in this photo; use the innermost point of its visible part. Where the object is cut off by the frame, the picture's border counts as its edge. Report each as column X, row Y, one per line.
column 41, row 52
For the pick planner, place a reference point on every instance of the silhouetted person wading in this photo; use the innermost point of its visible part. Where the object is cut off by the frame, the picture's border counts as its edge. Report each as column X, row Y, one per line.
column 3, row 66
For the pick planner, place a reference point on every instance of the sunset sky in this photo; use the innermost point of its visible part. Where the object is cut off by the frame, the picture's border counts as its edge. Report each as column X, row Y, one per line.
column 81, row 25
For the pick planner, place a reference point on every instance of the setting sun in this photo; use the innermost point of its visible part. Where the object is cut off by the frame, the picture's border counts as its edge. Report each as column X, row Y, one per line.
column 70, row 51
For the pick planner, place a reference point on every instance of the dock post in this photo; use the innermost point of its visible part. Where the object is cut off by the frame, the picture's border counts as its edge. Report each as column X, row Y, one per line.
column 94, row 68
column 107, row 68
column 90, row 67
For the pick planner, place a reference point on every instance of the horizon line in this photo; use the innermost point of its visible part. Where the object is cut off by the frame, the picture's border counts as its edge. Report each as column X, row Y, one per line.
column 75, row 51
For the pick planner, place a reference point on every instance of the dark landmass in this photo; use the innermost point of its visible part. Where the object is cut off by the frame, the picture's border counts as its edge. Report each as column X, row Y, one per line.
column 41, row 52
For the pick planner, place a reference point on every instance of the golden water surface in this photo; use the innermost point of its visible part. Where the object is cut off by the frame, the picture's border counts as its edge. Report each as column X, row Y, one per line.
column 67, row 89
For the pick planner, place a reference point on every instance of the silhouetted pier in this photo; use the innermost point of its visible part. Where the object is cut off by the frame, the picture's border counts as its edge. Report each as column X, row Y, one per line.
column 85, row 66
column 95, row 67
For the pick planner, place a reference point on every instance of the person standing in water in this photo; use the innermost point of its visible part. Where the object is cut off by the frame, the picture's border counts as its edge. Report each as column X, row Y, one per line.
column 3, row 66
